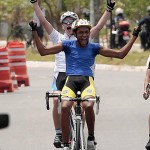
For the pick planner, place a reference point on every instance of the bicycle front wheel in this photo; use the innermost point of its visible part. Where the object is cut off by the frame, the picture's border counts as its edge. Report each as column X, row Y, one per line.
column 78, row 134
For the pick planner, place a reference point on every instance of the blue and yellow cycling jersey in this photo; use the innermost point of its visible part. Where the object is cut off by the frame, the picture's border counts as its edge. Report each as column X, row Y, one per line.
column 80, row 61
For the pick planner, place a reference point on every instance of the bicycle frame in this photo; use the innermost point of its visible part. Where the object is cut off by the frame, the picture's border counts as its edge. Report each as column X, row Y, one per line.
column 76, row 119
column 78, row 138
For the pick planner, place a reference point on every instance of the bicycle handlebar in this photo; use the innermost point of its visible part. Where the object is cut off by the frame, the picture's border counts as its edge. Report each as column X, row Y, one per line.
column 50, row 95
column 78, row 99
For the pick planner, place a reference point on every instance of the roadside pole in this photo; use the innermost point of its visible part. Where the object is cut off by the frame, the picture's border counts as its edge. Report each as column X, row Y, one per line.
column 110, row 30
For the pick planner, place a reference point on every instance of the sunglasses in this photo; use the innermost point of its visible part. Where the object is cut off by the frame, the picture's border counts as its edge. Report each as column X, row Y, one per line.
column 68, row 21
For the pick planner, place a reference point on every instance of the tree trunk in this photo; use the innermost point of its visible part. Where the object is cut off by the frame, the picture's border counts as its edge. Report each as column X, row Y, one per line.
column 59, row 5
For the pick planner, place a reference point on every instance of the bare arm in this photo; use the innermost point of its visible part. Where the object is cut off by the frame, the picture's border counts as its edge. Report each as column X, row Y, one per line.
column 109, row 7
column 42, row 49
column 48, row 27
column 96, row 29
column 118, row 53
column 107, row 52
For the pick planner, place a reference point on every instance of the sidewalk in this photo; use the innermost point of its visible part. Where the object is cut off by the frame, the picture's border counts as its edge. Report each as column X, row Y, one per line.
column 98, row 66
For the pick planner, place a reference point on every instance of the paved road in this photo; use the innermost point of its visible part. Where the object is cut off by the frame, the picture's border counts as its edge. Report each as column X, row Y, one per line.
column 121, row 124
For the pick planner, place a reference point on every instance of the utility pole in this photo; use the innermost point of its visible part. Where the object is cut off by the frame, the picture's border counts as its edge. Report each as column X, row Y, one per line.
column 59, row 5
column 110, row 30
column 94, row 17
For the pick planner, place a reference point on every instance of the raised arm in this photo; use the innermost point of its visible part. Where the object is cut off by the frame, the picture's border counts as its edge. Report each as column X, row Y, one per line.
column 95, row 30
column 48, row 27
column 124, row 50
column 147, row 80
column 41, row 48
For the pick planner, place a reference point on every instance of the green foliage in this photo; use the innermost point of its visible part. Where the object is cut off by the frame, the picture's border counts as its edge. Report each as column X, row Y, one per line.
column 71, row 5
column 133, row 9
column 132, row 59
column 35, row 56
column 17, row 9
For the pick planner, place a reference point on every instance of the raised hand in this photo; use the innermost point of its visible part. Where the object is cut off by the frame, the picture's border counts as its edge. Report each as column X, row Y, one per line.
column 110, row 5
column 33, row 25
column 136, row 31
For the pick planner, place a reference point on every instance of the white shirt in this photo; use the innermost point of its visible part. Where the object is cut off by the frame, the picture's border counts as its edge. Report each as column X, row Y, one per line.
column 60, row 62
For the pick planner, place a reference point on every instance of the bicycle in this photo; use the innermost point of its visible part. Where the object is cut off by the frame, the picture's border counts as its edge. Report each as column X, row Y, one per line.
column 77, row 137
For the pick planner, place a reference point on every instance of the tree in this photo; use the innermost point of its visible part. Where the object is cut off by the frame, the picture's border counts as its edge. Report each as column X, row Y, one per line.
column 10, row 12
column 11, row 8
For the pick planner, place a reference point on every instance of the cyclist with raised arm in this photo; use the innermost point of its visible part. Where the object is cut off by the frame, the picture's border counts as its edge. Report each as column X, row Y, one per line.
column 66, row 21
column 80, row 58
column 146, row 95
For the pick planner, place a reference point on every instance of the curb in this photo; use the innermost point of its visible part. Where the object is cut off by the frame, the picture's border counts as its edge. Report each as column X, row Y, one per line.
column 36, row 64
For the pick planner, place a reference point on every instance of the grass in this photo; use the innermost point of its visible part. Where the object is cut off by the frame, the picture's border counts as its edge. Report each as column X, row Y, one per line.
column 132, row 59
column 35, row 56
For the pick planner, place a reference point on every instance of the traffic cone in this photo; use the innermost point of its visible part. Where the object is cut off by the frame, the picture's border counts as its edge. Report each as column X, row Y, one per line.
column 6, row 84
column 17, row 60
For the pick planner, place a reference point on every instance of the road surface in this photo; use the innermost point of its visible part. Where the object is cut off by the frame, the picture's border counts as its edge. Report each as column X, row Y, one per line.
column 121, row 125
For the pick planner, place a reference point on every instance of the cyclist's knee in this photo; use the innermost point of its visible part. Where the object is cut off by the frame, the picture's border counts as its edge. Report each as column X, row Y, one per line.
column 66, row 106
column 55, row 102
column 89, row 108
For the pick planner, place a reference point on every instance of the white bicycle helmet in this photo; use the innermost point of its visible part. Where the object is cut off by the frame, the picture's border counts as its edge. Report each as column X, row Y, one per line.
column 119, row 11
column 81, row 22
column 68, row 14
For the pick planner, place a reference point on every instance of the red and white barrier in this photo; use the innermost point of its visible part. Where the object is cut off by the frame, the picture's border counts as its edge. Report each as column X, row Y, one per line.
column 6, row 84
column 17, row 60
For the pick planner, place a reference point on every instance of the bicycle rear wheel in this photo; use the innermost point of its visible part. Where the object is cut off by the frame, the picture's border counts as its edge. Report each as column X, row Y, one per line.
column 78, row 135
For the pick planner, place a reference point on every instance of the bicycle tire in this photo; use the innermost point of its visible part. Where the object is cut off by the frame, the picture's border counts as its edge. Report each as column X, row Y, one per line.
column 78, row 135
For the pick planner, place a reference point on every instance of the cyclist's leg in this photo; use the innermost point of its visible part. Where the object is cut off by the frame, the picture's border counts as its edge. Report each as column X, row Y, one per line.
column 89, row 116
column 148, row 144
column 89, row 92
column 57, row 123
column 67, row 91
column 65, row 120
column 58, row 83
